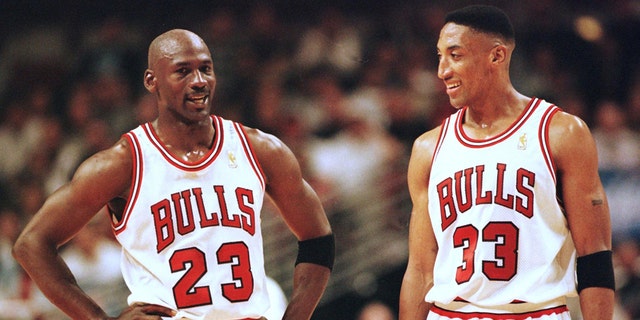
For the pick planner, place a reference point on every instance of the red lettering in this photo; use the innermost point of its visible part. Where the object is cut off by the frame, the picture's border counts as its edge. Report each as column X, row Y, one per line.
column 227, row 219
column 248, row 220
column 181, row 216
column 448, row 211
column 524, row 205
column 164, row 225
column 466, row 203
column 204, row 220
column 179, row 207
column 500, row 199
column 481, row 198
column 522, row 201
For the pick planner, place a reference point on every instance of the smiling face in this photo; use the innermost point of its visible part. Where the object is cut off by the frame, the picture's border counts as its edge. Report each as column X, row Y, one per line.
column 465, row 64
column 181, row 76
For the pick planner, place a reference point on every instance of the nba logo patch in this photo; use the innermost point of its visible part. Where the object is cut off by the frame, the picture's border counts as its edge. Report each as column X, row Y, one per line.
column 522, row 142
column 232, row 159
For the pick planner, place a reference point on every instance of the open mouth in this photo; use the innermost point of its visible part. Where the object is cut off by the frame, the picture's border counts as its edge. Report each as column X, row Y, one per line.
column 454, row 85
column 198, row 99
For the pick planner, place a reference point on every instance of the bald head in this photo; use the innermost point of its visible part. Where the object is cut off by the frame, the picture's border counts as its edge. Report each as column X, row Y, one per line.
column 170, row 43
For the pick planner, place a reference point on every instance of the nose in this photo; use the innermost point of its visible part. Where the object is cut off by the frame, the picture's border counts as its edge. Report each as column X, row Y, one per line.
column 443, row 69
column 198, row 79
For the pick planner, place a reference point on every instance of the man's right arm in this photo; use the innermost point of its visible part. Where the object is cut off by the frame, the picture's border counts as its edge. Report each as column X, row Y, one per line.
column 418, row 278
column 100, row 178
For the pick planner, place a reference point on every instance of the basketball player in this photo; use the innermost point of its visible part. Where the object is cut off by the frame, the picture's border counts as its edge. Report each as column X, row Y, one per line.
column 507, row 201
column 185, row 193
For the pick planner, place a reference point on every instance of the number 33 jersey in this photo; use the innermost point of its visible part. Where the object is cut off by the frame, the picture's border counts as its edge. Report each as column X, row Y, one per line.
column 501, row 232
column 190, row 232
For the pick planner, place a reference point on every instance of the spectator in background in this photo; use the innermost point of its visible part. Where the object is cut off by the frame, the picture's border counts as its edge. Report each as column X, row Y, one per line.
column 633, row 105
column 358, row 165
column 376, row 310
column 627, row 254
column 332, row 40
column 14, row 283
column 23, row 129
column 94, row 258
column 11, row 273
column 619, row 164
column 618, row 145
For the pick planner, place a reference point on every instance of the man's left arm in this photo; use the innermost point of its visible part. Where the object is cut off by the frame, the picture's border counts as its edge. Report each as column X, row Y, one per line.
column 302, row 210
column 587, row 213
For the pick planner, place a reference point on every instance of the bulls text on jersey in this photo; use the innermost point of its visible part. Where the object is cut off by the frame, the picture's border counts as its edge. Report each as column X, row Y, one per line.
column 456, row 195
column 178, row 213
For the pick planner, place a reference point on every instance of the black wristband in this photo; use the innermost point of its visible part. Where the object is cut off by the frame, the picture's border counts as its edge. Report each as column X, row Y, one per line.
column 595, row 270
column 320, row 251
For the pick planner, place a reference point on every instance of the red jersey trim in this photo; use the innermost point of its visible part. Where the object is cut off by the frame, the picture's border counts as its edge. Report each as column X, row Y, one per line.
column 443, row 133
column 211, row 155
column 248, row 150
column 543, row 136
column 498, row 316
column 477, row 143
column 136, row 181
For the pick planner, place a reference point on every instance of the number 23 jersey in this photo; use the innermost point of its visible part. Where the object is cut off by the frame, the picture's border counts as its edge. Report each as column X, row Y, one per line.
column 501, row 232
column 190, row 232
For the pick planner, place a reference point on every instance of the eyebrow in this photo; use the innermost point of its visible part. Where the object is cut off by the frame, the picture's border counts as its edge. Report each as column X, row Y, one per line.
column 451, row 48
column 188, row 63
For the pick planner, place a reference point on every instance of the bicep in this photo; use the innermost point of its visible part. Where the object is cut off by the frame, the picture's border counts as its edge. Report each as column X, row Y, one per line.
column 583, row 195
column 422, row 242
column 297, row 202
column 98, row 179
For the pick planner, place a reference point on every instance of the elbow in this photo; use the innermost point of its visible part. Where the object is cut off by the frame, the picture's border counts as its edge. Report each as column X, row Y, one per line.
column 20, row 250
column 23, row 248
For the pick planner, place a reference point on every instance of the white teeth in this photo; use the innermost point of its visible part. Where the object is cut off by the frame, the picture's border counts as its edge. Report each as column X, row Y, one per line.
column 453, row 85
column 198, row 99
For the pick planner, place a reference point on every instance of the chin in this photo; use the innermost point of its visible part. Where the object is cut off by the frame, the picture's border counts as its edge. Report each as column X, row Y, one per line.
column 456, row 103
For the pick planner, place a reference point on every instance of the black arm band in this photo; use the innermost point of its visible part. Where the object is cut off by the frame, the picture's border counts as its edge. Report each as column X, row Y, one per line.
column 595, row 270
column 320, row 251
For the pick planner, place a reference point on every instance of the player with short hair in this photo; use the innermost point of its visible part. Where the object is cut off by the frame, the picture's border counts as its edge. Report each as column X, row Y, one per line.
column 185, row 193
column 507, row 201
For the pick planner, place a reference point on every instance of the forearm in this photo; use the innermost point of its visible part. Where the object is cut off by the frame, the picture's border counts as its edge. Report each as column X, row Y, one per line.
column 309, row 283
column 52, row 276
column 412, row 294
column 597, row 303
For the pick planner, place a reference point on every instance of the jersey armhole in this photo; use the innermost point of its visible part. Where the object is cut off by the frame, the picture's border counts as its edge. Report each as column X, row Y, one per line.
column 136, row 180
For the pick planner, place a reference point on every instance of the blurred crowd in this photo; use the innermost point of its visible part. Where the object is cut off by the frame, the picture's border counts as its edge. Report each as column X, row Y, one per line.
column 348, row 85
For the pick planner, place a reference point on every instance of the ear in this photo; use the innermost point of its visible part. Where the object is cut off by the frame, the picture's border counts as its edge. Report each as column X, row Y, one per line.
column 499, row 54
column 150, row 80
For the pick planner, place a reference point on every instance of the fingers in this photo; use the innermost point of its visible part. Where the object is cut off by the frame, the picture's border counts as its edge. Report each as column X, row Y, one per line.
column 141, row 310
column 154, row 309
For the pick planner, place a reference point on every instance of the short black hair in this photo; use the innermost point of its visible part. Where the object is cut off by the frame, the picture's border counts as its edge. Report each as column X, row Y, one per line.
column 483, row 18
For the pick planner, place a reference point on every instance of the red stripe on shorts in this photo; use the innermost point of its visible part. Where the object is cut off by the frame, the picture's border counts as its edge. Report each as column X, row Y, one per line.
column 498, row 316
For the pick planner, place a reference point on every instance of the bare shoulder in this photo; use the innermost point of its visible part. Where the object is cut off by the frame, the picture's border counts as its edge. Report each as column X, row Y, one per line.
column 571, row 142
column 564, row 123
column 276, row 159
column 264, row 143
column 111, row 167
column 426, row 143
column 117, row 156
column 567, row 131
column 422, row 152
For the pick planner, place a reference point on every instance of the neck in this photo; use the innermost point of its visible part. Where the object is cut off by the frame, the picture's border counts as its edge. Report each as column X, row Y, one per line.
column 487, row 120
column 496, row 108
column 186, row 140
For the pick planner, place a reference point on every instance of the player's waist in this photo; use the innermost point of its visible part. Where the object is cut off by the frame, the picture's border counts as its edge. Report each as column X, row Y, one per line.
column 460, row 308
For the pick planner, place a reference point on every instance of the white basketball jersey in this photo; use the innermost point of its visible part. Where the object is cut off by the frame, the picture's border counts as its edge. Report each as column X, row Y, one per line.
column 190, row 232
column 501, row 232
